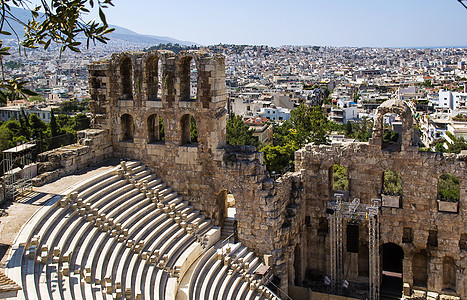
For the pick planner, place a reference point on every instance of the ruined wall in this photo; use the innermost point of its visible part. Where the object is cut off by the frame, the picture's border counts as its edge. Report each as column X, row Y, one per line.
column 93, row 146
column 203, row 170
column 420, row 213
column 284, row 218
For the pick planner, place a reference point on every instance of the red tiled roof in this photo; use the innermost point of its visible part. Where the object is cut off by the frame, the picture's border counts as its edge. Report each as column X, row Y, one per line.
column 255, row 120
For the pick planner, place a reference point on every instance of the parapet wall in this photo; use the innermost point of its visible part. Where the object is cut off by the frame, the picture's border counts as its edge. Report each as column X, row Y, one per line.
column 93, row 146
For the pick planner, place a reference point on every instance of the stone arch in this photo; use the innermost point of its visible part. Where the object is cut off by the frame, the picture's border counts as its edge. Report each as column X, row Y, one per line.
column 400, row 108
column 151, row 75
column 127, row 128
column 189, row 131
column 393, row 256
column 420, row 269
column 449, row 274
column 126, row 78
column 187, row 70
column 155, row 129
column 392, row 267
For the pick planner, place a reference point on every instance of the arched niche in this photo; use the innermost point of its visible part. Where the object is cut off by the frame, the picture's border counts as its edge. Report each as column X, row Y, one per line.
column 420, row 269
column 127, row 128
column 449, row 274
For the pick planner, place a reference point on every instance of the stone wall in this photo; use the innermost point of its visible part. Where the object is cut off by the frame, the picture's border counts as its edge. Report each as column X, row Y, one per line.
column 93, row 146
column 201, row 171
column 285, row 218
column 435, row 234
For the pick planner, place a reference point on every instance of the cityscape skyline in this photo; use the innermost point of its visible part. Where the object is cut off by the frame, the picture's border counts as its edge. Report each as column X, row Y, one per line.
column 338, row 23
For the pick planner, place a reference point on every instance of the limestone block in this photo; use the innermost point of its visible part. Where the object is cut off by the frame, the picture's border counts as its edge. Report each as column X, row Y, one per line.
column 432, row 296
column 406, row 289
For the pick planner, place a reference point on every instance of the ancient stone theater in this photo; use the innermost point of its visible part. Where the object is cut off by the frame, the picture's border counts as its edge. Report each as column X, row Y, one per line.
column 158, row 225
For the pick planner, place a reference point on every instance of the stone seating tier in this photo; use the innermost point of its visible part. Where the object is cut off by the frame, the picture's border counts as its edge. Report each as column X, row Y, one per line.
column 126, row 234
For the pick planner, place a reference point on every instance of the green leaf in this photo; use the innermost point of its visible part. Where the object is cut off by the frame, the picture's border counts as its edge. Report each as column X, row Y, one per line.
column 102, row 16
column 29, row 92
column 5, row 32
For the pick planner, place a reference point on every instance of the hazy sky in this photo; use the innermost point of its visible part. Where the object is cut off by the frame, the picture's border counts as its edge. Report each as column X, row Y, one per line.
column 391, row 23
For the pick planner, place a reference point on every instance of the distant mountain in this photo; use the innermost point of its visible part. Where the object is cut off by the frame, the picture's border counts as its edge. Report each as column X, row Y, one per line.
column 127, row 35
column 120, row 33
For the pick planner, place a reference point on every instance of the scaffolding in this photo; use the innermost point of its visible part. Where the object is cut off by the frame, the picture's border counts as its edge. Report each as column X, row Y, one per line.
column 338, row 211
column 18, row 170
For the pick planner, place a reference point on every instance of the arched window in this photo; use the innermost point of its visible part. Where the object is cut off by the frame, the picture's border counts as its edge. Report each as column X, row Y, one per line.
column 189, row 130
column 449, row 274
column 151, row 77
column 392, row 130
column 188, row 79
column 193, row 80
column 127, row 128
column 126, row 79
column 155, row 129
column 160, row 80
column 420, row 270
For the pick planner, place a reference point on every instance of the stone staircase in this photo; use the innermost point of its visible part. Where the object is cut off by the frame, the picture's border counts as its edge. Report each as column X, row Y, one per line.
column 228, row 229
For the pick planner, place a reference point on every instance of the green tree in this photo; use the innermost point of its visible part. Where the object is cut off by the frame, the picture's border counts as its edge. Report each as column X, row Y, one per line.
column 193, row 131
column 38, row 127
column 348, row 129
column 60, row 22
column 340, row 178
column 53, row 124
column 319, row 125
column 80, row 122
column 238, row 133
column 277, row 158
column 6, row 138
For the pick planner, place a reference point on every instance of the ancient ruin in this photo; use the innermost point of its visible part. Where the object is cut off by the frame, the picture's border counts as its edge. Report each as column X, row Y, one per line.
column 147, row 106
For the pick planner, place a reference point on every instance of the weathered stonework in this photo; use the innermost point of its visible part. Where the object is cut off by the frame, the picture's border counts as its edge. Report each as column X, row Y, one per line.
column 286, row 218
column 92, row 147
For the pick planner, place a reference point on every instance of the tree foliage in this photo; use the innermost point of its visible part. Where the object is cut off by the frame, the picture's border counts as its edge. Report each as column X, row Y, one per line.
column 306, row 125
column 340, row 178
column 53, row 21
column 47, row 136
column 392, row 183
column 238, row 133
column 193, row 130
column 448, row 188
column 390, row 136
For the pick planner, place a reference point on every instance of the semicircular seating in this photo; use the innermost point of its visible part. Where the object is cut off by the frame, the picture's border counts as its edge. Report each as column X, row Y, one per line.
column 124, row 234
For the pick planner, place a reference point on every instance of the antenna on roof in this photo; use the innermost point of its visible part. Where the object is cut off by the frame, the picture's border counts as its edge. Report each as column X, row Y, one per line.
column 463, row 4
